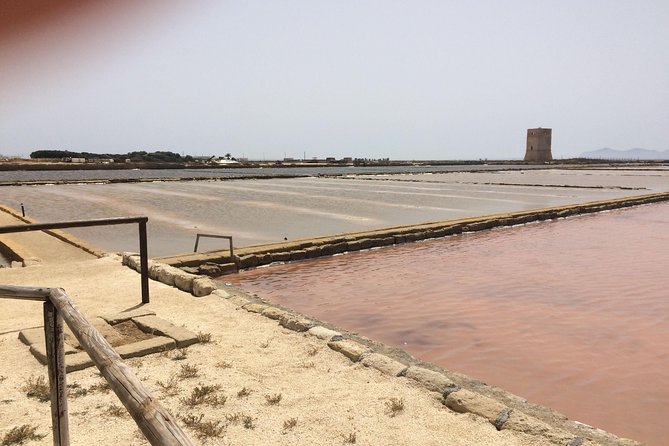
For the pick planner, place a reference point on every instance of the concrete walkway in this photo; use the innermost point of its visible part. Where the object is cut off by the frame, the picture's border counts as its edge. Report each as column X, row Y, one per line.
column 37, row 246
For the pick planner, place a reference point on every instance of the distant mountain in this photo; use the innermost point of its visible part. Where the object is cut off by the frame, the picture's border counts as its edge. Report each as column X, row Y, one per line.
column 631, row 154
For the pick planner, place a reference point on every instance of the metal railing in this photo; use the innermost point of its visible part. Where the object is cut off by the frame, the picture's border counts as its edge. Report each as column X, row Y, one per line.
column 143, row 250
column 228, row 237
column 155, row 422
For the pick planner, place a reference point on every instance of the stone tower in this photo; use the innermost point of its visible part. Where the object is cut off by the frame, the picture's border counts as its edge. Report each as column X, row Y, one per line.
column 538, row 147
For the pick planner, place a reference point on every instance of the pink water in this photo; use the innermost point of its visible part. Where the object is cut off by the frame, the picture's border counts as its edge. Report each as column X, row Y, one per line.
column 571, row 314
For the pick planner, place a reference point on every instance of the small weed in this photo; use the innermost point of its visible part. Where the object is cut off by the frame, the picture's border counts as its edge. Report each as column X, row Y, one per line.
column 244, row 392
column 37, row 387
column 188, row 371
column 265, row 344
column 204, row 338
column 21, row 434
column 75, row 390
column 239, row 417
column 203, row 429
column 313, row 351
column 101, row 386
column 204, row 395
column 273, row 400
column 289, row 423
column 164, row 353
column 350, row 438
column 170, row 388
column 2, row 378
column 395, row 406
column 223, row 365
column 115, row 411
column 248, row 422
column 180, row 354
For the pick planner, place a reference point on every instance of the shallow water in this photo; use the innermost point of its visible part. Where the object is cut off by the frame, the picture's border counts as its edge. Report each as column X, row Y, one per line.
column 572, row 314
column 260, row 211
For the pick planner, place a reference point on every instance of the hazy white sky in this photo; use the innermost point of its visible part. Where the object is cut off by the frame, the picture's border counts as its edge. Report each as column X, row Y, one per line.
column 399, row 79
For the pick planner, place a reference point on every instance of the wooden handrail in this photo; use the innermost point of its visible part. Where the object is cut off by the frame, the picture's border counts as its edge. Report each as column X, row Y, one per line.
column 143, row 249
column 155, row 422
column 228, row 237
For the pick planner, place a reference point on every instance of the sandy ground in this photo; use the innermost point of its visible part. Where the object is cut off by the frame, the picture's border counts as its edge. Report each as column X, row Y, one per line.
column 330, row 397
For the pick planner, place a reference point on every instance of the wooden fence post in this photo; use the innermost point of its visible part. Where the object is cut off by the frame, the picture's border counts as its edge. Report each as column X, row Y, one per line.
column 144, row 262
column 55, row 353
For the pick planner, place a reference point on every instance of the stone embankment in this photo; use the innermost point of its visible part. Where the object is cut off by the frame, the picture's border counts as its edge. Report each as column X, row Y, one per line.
column 218, row 263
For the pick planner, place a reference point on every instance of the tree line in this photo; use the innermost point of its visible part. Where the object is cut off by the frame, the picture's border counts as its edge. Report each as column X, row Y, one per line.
column 138, row 156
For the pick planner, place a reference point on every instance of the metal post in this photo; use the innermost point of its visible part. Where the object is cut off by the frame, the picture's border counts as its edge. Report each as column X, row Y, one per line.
column 55, row 353
column 144, row 262
column 23, row 211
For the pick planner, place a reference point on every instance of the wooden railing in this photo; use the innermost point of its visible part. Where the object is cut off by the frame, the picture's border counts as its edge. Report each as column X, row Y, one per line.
column 155, row 422
column 227, row 237
column 143, row 250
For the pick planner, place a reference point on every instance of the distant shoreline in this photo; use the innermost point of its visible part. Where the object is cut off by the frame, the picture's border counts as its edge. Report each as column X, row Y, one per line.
column 44, row 165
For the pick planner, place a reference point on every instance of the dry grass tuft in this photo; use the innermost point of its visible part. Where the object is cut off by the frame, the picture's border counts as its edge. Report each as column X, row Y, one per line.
column 180, row 354
column 244, row 392
column 239, row 417
column 223, row 364
column 264, row 344
column 102, row 386
column 188, row 371
column 21, row 434
column 115, row 411
column 273, row 400
column 204, row 395
column 350, row 438
column 289, row 424
column 204, row 338
column 37, row 387
column 75, row 390
column 395, row 406
column 203, row 429
column 170, row 388
column 313, row 351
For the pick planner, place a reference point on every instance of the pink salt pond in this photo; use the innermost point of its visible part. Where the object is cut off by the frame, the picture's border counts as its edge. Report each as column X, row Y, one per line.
column 572, row 314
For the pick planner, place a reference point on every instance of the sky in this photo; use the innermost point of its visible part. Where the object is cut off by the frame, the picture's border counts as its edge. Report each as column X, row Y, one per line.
column 392, row 79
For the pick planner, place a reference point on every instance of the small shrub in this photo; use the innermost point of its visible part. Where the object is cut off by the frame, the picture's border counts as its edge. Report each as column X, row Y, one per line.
column 75, row 390
column 101, row 386
column 203, row 429
column 239, row 417
column 395, row 405
column 21, row 434
column 37, row 387
column 264, row 344
column 248, row 422
column 350, row 438
column 204, row 338
column 180, row 354
column 244, row 392
column 223, row 364
column 289, row 423
column 313, row 351
column 170, row 388
column 273, row 400
column 204, row 395
column 115, row 411
column 188, row 371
